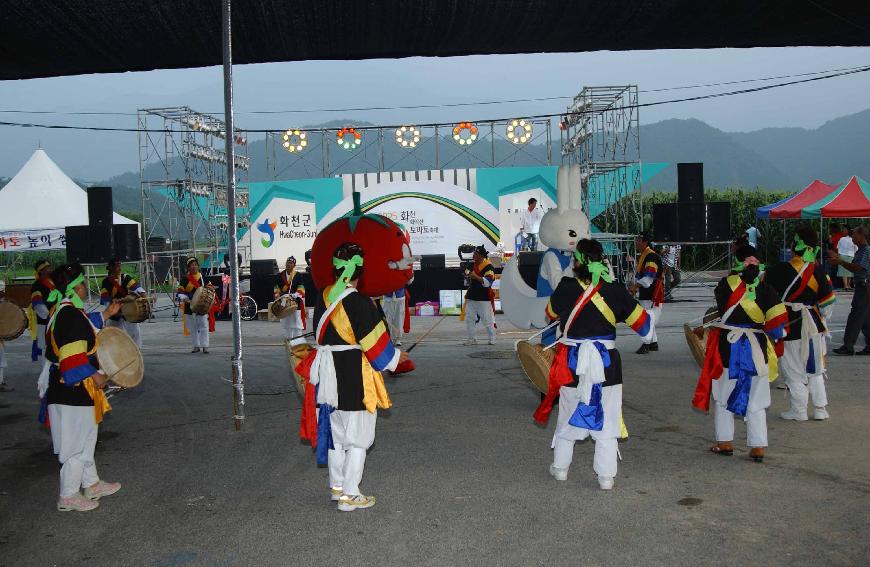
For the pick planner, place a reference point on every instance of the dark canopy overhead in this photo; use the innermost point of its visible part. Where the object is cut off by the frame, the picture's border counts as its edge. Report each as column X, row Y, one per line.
column 41, row 38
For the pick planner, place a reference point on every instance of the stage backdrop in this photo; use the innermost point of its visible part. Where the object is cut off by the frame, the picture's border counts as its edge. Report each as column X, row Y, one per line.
column 439, row 216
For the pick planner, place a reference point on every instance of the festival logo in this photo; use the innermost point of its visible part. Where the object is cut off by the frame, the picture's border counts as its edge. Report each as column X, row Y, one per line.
column 268, row 229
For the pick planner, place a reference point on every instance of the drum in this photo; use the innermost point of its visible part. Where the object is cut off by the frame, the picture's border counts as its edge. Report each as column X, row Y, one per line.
column 119, row 357
column 203, row 299
column 696, row 337
column 136, row 309
column 296, row 354
column 536, row 363
column 283, row 307
column 13, row 321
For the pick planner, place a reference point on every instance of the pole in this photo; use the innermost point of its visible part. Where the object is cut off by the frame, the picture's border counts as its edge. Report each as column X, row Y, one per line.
column 238, row 376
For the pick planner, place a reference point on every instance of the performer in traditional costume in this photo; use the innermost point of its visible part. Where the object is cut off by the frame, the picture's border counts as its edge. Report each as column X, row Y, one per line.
column 353, row 347
column 186, row 288
column 808, row 294
column 740, row 359
column 289, row 282
column 39, row 306
column 479, row 302
column 117, row 286
column 74, row 395
column 586, row 373
column 649, row 286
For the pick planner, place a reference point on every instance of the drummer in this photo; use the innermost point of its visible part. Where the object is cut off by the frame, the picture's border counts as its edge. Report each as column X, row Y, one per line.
column 75, row 399
column 289, row 282
column 118, row 286
column 740, row 361
column 192, row 281
column 586, row 373
column 39, row 306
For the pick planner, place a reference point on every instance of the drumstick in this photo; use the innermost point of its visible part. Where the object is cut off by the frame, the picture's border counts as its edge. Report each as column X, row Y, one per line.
column 438, row 322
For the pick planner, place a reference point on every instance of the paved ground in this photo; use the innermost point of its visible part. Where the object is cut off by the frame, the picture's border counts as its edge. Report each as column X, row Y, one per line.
column 459, row 469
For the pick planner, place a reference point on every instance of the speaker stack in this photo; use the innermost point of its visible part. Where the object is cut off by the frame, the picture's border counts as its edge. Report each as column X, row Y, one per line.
column 99, row 241
column 691, row 219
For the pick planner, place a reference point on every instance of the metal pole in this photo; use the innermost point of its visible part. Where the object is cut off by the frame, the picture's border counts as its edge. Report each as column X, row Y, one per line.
column 238, row 376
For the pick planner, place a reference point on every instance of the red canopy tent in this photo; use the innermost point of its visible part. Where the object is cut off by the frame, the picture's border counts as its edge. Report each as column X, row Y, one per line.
column 792, row 207
column 852, row 201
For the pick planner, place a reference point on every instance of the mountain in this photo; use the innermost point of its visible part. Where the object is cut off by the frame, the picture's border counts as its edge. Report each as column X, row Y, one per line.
column 772, row 158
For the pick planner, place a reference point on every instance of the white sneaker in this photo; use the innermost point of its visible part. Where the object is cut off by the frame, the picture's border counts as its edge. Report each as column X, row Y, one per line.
column 335, row 493
column 780, row 385
column 101, row 489
column 470, row 342
column 821, row 414
column 492, row 341
column 76, row 503
column 605, row 482
column 794, row 415
column 398, row 343
column 557, row 473
column 348, row 503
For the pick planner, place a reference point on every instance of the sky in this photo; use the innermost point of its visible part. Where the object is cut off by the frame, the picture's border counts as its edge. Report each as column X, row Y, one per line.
column 94, row 156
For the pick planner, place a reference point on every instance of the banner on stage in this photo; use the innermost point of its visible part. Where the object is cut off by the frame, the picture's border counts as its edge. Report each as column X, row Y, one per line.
column 286, row 227
column 32, row 240
column 437, row 215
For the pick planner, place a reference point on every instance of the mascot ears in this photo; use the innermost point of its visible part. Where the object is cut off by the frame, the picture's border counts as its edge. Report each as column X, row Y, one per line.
column 563, row 226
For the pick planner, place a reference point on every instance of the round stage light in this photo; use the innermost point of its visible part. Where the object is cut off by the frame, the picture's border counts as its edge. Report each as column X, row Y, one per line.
column 465, row 133
column 519, row 131
column 408, row 136
column 348, row 138
column 294, row 140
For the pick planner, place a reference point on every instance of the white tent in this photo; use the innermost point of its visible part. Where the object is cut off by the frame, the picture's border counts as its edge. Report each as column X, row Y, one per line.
column 41, row 196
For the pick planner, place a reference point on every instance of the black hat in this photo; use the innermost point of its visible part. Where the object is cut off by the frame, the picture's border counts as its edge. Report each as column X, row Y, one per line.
column 481, row 250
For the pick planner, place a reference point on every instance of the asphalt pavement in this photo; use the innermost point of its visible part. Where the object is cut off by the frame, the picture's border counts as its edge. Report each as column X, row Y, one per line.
column 459, row 468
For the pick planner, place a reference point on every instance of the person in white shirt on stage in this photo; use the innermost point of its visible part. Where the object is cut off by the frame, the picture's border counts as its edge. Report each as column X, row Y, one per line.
column 530, row 224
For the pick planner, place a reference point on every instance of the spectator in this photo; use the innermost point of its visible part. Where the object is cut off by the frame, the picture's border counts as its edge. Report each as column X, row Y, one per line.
column 671, row 261
column 858, row 320
column 846, row 251
column 530, row 224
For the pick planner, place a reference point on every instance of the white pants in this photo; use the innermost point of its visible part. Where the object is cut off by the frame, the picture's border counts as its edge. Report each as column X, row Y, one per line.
column 199, row 330
column 800, row 384
column 394, row 309
column 604, row 461
column 353, row 432
column 74, row 436
column 293, row 324
column 482, row 309
column 723, row 420
column 131, row 329
column 656, row 314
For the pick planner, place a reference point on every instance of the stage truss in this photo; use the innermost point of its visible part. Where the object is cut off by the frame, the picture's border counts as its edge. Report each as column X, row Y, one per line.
column 601, row 133
column 436, row 149
column 182, row 174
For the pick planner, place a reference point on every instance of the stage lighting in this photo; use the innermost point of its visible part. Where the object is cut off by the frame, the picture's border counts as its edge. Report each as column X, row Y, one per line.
column 348, row 138
column 465, row 133
column 408, row 136
column 294, row 140
column 519, row 131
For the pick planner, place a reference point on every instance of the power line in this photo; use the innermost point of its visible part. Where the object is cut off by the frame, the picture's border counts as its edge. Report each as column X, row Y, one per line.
column 442, row 105
column 851, row 71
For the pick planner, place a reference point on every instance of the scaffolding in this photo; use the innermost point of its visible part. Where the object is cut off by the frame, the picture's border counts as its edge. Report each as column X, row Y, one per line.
column 427, row 147
column 182, row 177
column 601, row 133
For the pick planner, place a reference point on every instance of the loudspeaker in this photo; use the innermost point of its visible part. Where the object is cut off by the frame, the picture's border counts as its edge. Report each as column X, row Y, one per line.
column 263, row 288
column 100, row 206
column 89, row 244
column 719, row 221
column 665, row 222
column 690, row 182
column 263, row 268
column 77, row 243
column 432, row 262
column 102, row 245
column 531, row 258
column 692, row 222
column 127, row 245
